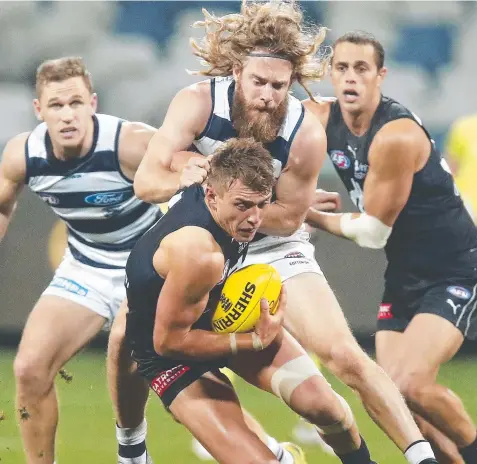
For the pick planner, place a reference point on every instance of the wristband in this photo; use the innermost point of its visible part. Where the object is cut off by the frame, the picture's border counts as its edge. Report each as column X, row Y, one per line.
column 256, row 342
column 233, row 343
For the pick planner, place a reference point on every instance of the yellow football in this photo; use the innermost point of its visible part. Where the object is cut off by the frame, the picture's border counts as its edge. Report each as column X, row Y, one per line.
column 238, row 309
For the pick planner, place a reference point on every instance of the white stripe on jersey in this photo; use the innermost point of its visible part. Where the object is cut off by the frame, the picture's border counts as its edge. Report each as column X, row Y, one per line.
column 138, row 227
column 91, row 189
column 79, row 182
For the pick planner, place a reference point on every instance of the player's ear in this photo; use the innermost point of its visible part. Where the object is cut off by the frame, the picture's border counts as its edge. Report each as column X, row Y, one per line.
column 211, row 196
column 94, row 102
column 37, row 109
column 236, row 70
column 382, row 74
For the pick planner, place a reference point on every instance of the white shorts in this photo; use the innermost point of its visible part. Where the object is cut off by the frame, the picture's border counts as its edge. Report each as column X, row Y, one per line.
column 290, row 256
column 101, row 290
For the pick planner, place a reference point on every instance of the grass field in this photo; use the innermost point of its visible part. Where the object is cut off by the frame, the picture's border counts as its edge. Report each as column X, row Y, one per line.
column 86, row 431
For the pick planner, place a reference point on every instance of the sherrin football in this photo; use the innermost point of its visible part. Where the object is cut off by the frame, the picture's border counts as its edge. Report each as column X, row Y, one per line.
column 238, row 309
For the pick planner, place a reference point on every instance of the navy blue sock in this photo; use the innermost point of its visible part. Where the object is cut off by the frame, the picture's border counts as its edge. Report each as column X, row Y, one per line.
column 359, row 456
column 469, row 453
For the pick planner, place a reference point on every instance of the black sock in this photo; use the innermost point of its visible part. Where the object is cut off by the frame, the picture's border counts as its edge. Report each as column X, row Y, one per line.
column 132, row 451
column 359, row 456
column 469, row 453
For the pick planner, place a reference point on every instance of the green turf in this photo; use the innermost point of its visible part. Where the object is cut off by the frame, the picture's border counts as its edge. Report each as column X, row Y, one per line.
column 86, row 431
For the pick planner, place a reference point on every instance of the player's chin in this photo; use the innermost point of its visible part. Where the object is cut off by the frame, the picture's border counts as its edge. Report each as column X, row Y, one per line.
column 245, row 235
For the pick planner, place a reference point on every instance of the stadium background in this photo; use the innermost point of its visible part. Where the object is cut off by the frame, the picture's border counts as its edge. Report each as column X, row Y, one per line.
column 138, row 54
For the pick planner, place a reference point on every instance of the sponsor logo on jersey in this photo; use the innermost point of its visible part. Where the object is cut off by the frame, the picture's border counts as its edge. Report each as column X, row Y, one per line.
column 105, row 198
column 360, row 170
column 69, row 285
column 50, row 199
column 385, row 311
column 340, row 160
column 295, row 254
column 166, row 378
column 459, row 292
column 302, row 261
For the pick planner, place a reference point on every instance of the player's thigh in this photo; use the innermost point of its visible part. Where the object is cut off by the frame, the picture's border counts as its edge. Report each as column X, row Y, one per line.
column 428, row 342
column 71, row 311
column 210, row 410
column 314, row 316
column 55, row 330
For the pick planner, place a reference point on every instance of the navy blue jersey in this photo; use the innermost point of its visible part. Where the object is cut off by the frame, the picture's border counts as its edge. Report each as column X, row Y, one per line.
column 143, row 284
column 434, row 227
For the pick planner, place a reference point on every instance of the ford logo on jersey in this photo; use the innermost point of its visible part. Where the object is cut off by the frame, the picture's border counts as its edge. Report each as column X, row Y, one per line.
column 105, row 198
column 339, row 159
column 459, row 292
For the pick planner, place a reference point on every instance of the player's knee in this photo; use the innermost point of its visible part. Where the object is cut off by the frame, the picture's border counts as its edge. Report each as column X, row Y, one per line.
column 117, row 336
column 411, row 385
column 30, row 375
column 326, row 409
column 348, row 362
column 300, row 384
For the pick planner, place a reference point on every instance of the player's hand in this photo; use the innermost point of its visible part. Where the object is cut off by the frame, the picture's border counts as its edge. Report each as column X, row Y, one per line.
column 269, row 325
column 195, row 171
column 326, row 201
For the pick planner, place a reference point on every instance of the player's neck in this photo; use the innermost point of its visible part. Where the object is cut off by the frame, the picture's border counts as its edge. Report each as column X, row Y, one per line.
column 359, row 122
column 78, row 151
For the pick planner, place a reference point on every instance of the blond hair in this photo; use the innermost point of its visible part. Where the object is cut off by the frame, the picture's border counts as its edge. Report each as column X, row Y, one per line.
column 276, row 26
column 61, row 69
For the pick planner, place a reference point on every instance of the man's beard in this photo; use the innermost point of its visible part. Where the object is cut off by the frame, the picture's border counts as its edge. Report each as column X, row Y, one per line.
column 262, row 125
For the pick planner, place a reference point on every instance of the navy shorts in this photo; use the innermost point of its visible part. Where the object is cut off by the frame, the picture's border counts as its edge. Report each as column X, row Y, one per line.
column 450, row 293
column 168, row 377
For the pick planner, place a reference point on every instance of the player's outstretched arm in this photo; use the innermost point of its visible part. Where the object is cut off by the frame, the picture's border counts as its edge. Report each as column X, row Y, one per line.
column 296, row 185
column 156, row 180
column 393, row 160
column 192, row 264
column 12, row 178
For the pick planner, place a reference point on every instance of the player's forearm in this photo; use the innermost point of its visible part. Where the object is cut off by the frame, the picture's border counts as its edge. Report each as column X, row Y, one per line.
column 203, row 345
column 365, row 230
column 157, row 187
column 330, row 222
column 277, row 220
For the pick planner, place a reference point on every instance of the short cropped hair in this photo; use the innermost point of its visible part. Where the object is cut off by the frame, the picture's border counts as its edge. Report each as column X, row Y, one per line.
column 242, row 159
column 364, row 38
column 61, row 69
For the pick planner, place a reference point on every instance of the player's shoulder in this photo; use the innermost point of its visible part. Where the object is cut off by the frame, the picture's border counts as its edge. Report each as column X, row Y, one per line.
column 320, row 107
column 197, row 245
column 15, row 147
column 197, row 91
column 13, row 158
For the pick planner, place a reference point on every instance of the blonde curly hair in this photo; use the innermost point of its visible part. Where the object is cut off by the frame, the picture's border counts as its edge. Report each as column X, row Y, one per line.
column 276, row 26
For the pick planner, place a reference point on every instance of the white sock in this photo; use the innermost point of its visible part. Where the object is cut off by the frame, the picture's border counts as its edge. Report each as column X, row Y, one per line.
column 419, row 451
column 131, row 436
column 132, row 444
column 283, row 456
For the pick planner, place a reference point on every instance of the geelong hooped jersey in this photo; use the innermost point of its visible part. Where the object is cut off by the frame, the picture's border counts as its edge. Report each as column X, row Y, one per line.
column 143, row 284
column 91, row 195
column 434, row 225
column 220, row 128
